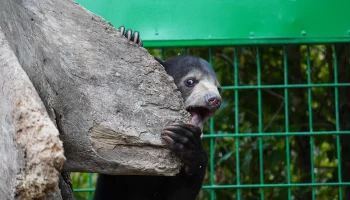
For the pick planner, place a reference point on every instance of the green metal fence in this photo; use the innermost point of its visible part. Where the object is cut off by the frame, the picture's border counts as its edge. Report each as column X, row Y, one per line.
column 239, row 188
column 283, row 130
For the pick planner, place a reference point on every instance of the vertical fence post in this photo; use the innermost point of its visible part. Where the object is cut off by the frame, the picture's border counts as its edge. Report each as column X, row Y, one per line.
column 260, row 125
column 238, row 177
column 337, row 125
column 286, row 114
column 309, row 96
column 212, row 147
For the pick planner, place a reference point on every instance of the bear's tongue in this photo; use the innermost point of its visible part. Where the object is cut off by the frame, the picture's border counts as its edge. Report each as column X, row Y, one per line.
column 197, row 120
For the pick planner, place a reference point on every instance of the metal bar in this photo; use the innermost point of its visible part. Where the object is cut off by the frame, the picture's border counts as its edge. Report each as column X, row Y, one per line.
column 236, row 42
column 163, row 53
column 84, row 190
column 212, row 147
column 260, row 125
column 276, row 134
column 337, row 125
column 309, row 96
column 286, row 114
column 185, row 51
column 90, row 185
column 254, row 87
column 281, row 185
column 238, row 177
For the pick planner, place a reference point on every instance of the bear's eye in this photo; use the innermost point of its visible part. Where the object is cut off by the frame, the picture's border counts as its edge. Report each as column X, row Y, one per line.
column 190, row 82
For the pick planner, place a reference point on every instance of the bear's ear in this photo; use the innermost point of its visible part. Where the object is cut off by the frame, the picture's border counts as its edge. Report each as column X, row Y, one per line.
column 159, row 60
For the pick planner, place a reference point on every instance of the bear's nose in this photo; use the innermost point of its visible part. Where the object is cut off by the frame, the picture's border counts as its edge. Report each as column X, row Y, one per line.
column 213, row 100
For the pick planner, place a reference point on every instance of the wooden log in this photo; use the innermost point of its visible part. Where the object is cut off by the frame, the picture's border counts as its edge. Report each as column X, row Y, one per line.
column 109, row 98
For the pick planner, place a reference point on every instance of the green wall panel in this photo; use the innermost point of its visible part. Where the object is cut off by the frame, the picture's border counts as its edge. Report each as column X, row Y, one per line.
column 227, row 22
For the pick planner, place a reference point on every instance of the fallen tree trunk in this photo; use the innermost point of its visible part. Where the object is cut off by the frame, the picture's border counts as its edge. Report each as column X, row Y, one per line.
column 109, row 98
column 31, row 151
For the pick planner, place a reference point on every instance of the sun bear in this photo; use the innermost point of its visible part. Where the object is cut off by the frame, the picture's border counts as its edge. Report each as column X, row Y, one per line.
column 200, row 89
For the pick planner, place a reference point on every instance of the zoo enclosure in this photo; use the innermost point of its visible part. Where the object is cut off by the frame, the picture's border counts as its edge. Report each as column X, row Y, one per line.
column 296, row 52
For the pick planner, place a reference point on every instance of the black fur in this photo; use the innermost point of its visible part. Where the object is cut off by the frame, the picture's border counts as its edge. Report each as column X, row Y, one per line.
column 183, row 140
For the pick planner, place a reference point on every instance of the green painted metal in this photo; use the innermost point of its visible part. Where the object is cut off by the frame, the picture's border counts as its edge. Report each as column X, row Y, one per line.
column 227, row 22
column 238, row 175
column 278, row 134
column 84, row 189
column 279, row 185
column 90, row 186
column 337, row 123
column 309, row 96
column 211, row 145
column 260, row 123
column 286, row 111
column 252, row 87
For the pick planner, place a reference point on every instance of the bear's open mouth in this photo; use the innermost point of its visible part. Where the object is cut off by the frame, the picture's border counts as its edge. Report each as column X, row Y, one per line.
column 199, row 115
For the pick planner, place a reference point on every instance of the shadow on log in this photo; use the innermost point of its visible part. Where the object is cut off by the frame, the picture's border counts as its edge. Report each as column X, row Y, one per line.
column 108, row 98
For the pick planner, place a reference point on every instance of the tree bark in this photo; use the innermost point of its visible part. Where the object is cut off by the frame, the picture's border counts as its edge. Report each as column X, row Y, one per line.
column 31, row 151
column 109, row 98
